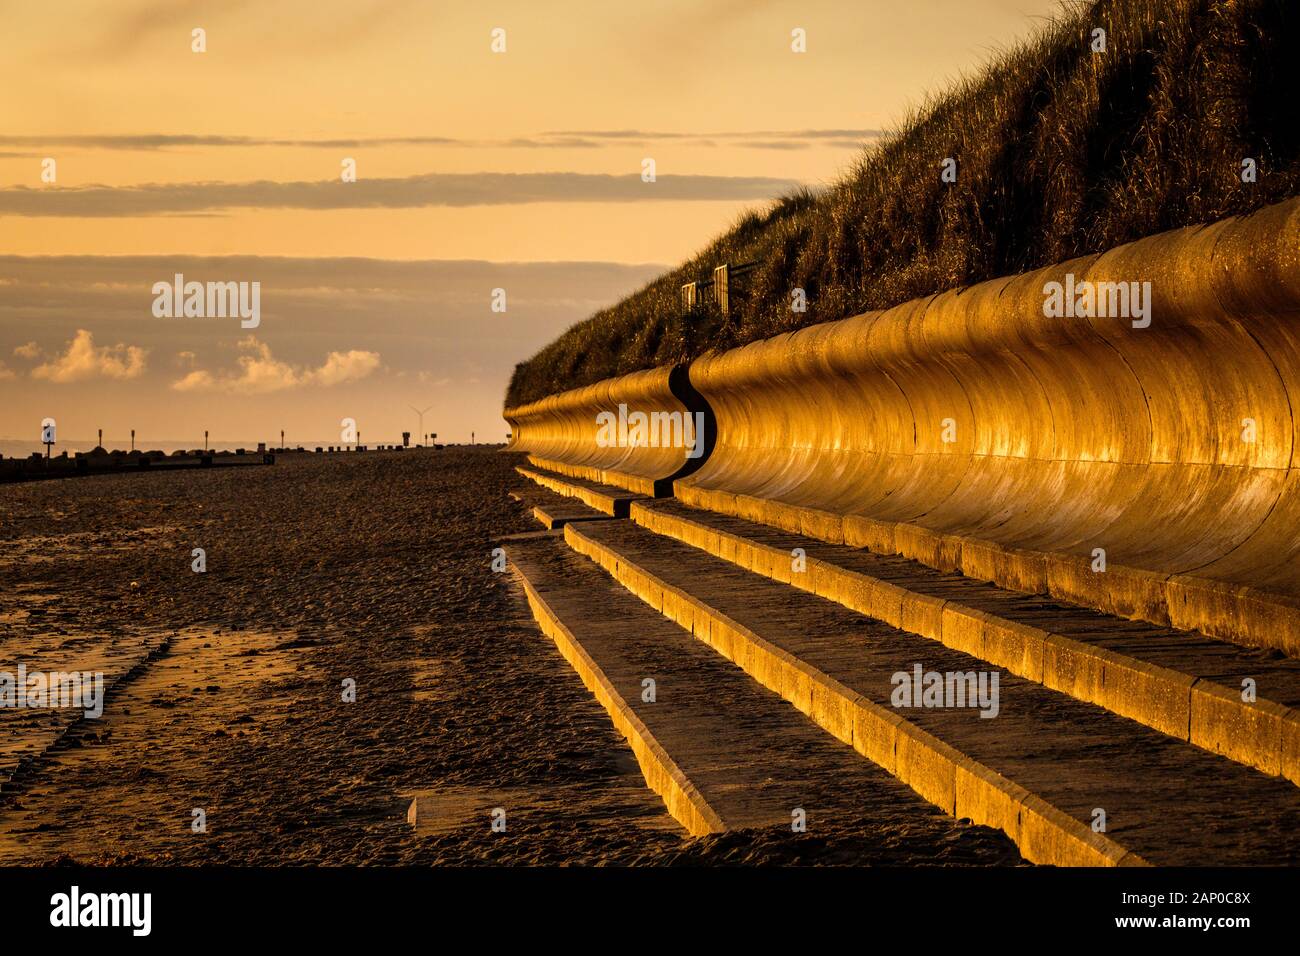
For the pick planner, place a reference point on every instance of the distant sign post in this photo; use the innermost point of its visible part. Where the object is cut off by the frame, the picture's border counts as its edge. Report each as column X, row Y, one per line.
column 47, row 435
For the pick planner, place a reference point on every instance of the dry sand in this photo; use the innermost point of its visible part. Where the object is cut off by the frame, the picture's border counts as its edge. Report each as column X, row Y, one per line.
column 371, row 567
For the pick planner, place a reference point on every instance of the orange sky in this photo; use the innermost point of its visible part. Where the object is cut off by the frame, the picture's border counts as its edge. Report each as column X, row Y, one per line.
column 162, row 153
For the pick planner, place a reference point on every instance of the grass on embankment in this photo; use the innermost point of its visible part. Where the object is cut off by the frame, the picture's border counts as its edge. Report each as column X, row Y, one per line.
column 1061, row 152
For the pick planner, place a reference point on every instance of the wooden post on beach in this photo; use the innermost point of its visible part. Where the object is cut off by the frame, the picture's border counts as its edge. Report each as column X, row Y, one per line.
column 100, row 443
column 133, row 439
column 205, row 439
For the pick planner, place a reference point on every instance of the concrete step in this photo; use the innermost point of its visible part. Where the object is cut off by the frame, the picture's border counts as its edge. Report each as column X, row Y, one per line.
column 603, row 498
column 1178, row 682
column 721, row 751
column 552, row 510
column 1046, row 770
column 612, row 477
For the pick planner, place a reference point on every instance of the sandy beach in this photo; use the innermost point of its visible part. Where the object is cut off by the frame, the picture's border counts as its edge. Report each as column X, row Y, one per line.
column 228, row 685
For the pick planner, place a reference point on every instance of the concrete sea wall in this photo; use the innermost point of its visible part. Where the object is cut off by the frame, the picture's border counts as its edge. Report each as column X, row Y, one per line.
column 1143, row 465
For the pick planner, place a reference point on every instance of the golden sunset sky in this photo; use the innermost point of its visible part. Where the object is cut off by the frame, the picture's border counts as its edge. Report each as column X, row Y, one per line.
column 476, row 170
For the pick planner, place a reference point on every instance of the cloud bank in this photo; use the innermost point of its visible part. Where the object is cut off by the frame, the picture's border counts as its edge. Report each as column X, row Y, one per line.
column 561, row 139
column 410, row 192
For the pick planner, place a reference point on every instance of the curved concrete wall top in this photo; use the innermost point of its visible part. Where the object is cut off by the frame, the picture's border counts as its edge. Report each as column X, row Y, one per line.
column 564, row 432
column 971, row 431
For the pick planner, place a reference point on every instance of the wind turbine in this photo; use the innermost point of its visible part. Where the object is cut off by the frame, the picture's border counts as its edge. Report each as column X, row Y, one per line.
column 420, row 412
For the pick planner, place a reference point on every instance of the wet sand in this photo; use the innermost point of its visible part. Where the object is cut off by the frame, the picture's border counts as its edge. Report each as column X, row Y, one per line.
column 372, row 568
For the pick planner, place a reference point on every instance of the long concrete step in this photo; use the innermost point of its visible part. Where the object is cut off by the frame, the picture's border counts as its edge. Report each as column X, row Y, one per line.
column 1178, row 682
column 553, row 511
column 1048, row 770
column 603, row 498
column 610, row 477
column 722, row 752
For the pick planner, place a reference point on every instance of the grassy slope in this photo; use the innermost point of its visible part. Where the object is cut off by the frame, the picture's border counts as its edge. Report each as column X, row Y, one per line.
column 1061, row 152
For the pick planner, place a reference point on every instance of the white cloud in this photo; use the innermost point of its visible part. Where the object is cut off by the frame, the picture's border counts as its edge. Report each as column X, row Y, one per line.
column 195, row 381
column 347, row 366
column 261, row 372
column 84, row 360
column 28, row 351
